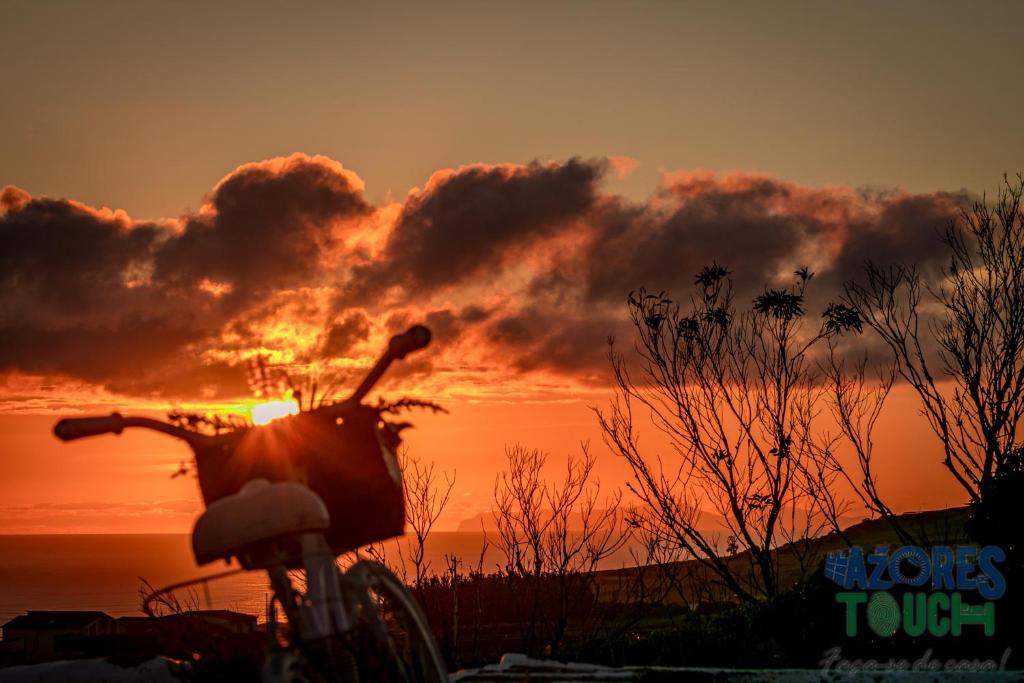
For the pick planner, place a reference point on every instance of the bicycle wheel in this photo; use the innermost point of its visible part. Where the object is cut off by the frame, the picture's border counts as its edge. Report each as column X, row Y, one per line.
column 395, row 640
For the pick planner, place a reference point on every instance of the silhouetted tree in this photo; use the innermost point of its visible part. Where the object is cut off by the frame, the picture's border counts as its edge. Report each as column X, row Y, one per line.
column 960, row 342
column 856, row 404
column 425, row 499
column 553, row 536
column 738, row 395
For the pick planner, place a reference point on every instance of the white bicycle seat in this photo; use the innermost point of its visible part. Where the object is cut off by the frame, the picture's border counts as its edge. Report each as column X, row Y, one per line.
column 258, row 513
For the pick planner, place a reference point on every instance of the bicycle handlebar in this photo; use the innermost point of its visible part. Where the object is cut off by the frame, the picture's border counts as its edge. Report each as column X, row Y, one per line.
column 400, row 346
column 70, row 429
column 413, row 339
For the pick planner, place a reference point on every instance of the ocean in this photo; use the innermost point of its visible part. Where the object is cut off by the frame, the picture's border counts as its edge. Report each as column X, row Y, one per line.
column 107, row 572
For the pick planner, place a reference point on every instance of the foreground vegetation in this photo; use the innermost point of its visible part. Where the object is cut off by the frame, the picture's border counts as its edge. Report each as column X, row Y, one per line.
column 664, row 614
column 770, row 411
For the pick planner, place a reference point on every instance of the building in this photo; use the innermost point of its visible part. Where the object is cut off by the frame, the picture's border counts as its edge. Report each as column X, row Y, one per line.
column 220, row 619
column 48, row 635
column 41, row 634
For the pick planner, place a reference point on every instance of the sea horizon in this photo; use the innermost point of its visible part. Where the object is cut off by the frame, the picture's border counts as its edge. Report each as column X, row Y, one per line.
column 106, row 572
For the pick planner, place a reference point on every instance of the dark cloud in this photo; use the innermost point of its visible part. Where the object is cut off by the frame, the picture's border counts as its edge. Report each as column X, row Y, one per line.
column 353, row 328
column 537, row 339
column 96, row 354
column 13, row 198
column 474, row 314
column 76, row 298
column 760, row 228
column 903, row 229
column 448, row 324
column 468, row 223
column 444, row 324
column 265, row 226
column 63, row 258
column 527, row 266
column 190, row 378
column 94, row 295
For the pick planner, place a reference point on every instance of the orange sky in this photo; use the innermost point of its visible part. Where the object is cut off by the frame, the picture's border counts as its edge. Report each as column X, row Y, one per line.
column 123, row 484
column 184, row 189
column 145, row 105
column 520, row 270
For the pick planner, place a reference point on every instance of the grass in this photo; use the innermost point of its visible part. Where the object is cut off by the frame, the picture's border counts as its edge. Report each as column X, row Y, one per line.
column 692, row 583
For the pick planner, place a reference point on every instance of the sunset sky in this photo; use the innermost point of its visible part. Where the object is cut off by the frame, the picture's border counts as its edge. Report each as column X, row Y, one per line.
column 189, row 187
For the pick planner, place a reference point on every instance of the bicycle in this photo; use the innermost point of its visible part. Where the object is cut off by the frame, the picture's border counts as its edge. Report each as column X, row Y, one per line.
column 279, row 499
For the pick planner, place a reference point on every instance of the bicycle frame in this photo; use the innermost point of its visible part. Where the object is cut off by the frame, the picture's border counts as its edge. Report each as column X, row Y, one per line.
column 330, row 603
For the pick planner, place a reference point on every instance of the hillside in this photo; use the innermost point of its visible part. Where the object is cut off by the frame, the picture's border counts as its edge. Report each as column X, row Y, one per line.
column 690, row 582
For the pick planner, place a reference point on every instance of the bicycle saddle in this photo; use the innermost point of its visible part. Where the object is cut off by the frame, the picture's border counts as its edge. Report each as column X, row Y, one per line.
column 258, row 513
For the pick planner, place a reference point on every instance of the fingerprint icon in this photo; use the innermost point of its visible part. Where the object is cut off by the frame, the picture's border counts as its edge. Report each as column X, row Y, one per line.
column 883, row 614
column 913, row 558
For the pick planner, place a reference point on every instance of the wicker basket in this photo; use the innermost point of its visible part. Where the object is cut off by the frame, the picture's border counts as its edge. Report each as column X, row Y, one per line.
column 351, row 466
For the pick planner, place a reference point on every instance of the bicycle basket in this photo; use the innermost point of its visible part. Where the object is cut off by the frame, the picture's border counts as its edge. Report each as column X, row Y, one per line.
column 351, row 466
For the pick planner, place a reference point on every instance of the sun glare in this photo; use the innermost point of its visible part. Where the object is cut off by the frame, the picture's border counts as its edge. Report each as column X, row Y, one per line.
column 263, row 413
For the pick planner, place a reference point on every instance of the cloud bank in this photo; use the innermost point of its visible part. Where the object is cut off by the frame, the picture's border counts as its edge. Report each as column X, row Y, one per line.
column 521, row 270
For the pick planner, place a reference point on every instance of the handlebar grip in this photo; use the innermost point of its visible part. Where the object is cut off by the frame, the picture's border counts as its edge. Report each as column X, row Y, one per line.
column 413, row 339
column 73, row 428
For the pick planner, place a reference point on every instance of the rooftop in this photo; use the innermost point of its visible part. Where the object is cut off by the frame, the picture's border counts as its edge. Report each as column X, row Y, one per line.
column 65, row 619
column 55, row 619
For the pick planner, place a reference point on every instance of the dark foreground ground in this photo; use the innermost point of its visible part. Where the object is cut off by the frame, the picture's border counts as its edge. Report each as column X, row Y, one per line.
column 630, row 620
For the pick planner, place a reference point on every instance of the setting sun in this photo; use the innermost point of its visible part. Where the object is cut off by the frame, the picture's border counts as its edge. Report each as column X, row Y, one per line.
column 264, row 413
